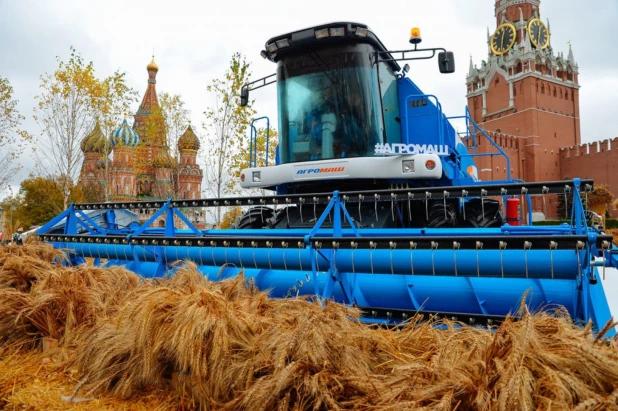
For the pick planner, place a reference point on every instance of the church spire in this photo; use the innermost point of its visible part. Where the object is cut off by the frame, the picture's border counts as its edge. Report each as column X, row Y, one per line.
column 471, row 68
column 150, row 99
column 571, row 57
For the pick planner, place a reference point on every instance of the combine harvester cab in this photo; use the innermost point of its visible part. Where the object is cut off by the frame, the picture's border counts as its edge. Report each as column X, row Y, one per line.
column 376, row 202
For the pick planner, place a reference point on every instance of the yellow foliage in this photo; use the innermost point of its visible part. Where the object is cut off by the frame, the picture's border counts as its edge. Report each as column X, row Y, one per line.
column 230, row 216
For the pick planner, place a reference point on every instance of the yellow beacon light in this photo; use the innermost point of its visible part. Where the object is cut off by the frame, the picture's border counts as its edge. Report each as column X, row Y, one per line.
column 415, row 36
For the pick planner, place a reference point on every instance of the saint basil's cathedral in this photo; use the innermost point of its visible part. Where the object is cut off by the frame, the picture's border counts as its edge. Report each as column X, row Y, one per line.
column 142, row 166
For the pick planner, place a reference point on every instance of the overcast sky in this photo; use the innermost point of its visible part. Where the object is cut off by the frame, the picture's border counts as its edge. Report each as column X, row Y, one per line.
column 193, row 42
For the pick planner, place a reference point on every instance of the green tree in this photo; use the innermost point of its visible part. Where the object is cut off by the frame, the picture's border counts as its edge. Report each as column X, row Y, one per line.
column 12, row 139
column 226, row 128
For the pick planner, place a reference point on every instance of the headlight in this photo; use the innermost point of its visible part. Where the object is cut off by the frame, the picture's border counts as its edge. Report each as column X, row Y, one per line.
column 430, row 164
column 337, row 32
column 407, row 166
column 257, row 176
column 320, row 34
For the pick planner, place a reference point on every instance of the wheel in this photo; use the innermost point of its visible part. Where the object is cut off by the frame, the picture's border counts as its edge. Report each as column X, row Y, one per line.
column 256, row 218
column 482, row 215
column 441, row 215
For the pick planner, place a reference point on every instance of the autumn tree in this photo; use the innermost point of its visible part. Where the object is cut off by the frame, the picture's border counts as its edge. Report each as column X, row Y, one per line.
column 40, row 199
column 226, row 127
column 258, row 152
column 176, row 119
column 11, row 138
column 70, row 100
column 230, row 217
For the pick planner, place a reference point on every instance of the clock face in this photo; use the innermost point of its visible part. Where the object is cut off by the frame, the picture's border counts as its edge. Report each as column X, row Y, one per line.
column 503, row 39
column 539, row 35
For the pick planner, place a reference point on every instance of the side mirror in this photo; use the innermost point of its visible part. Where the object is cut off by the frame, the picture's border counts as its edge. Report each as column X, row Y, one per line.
column 446, row 62
column 244, row 96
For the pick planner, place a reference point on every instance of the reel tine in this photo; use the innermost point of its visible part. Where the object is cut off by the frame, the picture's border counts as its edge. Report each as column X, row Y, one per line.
column 354, row 245
column 393, row 197
column 434, row 246
column 464, row 193
column 213, row 244
column 262, row 210
column 254, row 246
column 240, row 245
column 330, row 198
column 567, row 190
column 300, row 260
column 446, row 194
column 456, row 246
column 376, row 197
column 527, row 246
column 317, row 261
column 269, row 246
column 544, row 191
column 301, row 200
column 284, row 245
column 483, row 194
column 360, row 200
column 479, row 246
column 580, row 246
column 552, row 246
column 392, row 246
column 502, row 246
column 410, row 197
column 372, row 246
column 606, row 247
column 427, row 197
column 412, row 248
column 315, row 202
column 226, row 244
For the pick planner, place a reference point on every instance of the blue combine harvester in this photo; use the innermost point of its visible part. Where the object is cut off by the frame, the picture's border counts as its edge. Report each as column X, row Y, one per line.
column 375, row 202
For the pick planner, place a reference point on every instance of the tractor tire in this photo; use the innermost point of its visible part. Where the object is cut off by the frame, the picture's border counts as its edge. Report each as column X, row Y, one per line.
column 256, row 218
column 475, row 218
column 441, row 216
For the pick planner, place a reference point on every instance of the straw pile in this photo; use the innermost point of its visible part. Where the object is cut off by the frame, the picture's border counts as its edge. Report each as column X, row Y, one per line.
column 186, row 342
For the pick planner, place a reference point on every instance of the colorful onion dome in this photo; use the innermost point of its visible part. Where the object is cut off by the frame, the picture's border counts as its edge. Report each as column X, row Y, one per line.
column 124, row 135
column 163, row 159
column 152, row 66
column 95, row 141
column 188, row 140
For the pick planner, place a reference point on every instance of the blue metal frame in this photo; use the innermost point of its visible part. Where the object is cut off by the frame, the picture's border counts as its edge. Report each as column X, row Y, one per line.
column 482, row 282
column 253, row 141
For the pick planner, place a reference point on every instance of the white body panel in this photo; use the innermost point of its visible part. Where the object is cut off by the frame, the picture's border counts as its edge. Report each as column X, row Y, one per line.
column 343, row 168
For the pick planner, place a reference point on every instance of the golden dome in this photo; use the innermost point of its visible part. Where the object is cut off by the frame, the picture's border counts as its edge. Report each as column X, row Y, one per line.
column 95, row 141
column 163, row 159
column 189, row 141
column 152, row 66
